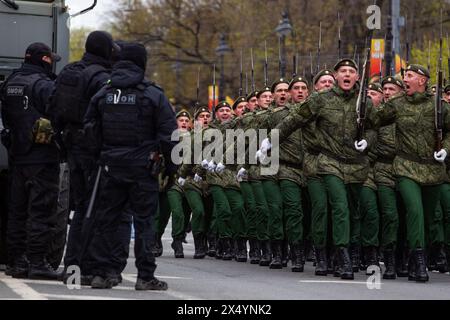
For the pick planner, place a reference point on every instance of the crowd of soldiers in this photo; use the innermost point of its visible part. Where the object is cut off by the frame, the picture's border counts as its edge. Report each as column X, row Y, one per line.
column 344, row 202
column 352, row 203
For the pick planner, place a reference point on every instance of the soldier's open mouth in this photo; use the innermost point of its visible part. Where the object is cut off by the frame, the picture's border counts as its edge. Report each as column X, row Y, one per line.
column 347, row 81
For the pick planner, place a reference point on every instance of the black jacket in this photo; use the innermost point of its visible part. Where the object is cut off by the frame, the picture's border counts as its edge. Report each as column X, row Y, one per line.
column 156, row 117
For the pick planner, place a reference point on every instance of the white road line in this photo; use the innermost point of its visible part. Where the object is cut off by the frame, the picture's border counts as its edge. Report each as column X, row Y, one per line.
column 23, row 290
column 336, row 281
column 75, row 297
column 169, row 292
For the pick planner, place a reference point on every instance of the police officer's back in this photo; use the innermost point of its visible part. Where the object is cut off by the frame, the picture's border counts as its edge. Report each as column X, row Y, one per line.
column 34, row 166
column 133, row 119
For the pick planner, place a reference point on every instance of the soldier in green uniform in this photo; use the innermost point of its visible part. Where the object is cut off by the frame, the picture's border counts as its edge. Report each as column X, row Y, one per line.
column 323, row 81
column 252, row 101
column 341, row 162
column 196, row 193
column 419, row 174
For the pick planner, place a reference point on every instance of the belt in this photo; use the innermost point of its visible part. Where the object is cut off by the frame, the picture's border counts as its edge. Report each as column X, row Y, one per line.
column 415, row 158
column 292, row 165
column 361, row 160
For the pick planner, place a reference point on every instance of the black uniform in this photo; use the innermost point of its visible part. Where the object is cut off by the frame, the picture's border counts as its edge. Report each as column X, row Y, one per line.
column 133, row 119
column 34, row 168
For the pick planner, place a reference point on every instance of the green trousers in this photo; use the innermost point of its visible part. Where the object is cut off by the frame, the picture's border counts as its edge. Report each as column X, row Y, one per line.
column 319, row 210
column 275, row 202
column 370, row 217
column 181, row 213
column 161, row 218
column 250, row 209
column 420, row 203
column 343, row 200
column 222, row 212
column 445, row 207
column 198, row 220
column 262, row 211
column 306, row 204
column 387, row 199
column 238, row 214
column 291, row 194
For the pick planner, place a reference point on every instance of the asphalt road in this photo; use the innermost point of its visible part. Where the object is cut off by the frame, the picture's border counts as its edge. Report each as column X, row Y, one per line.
column 212, row 279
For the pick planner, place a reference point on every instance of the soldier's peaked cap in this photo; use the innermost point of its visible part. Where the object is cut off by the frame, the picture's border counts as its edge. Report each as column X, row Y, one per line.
column 222, row 104
column 184, row 113
column 417, row 68
column 392, row 80
column 297, row 80
column 239, row 100
column 260, row 92
column 251, row 95
column 200, row 110
column 346, row 63
column 325, row 72
column 277, row 82
column 375, row 87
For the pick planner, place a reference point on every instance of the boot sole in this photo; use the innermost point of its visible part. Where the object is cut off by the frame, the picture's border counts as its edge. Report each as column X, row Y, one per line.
column 321, row 273
column 37, row 277
column 276, row 267
column 389, row 277
column 347, row 277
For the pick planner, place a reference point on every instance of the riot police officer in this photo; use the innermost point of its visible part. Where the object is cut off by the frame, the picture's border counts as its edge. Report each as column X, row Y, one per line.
column 34, row 163
column 134, row 120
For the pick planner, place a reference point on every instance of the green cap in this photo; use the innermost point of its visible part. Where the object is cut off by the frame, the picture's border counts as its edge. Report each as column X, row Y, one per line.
column 222, row 104
column 325, row 72
column 184, row 113
column 297, row 80
column 238, row 100
column 277, row 82
column 265, row 89
column 392, row 80
column 251, row 95
column 200, row 110
column 375, row 87
column 447, row 88
column 417, row 68
column 346, row 63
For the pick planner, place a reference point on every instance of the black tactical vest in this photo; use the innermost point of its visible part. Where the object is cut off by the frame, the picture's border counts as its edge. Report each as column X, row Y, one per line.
column 19, row 110
column 127, row 117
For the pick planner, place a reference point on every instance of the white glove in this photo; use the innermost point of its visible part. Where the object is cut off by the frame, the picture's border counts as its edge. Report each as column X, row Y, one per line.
column 181, row 181
column 197, row 178
column 258, row 155
column 265, row 146
column 211, row 166
column 441, row 155
column 361, row 145
column 205, row 164
column 241, row 174
column 220, row 167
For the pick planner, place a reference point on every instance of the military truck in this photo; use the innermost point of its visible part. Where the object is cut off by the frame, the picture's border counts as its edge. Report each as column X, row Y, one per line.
column 22, row 23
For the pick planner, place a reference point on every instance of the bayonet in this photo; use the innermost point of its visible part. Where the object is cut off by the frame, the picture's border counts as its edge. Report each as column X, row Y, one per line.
column 253, row 70
column 339, row 36
column 319, row 47
column 438, row 97
column 266, row 64
column 241, row 85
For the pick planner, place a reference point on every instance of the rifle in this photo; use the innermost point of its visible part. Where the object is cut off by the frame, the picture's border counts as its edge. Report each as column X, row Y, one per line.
column 339, row 37
column 311, row 64
column 438, row 99
column 197, row 103
column 448, row 55
column 280, row 62
column 214, row 93
column 253, row 70
column 294, row 66
column 361, row 103
column 319, row 45
column 241, row 89
column 266, row 71
column 429, row 55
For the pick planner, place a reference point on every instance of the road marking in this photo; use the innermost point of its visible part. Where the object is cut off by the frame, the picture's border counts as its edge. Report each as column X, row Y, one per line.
column 22, row 290
column 76, row 297
column 169, row 292
column 334, row 281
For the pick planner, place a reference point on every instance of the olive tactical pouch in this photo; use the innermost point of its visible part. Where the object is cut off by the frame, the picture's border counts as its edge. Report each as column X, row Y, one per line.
column 42, row 131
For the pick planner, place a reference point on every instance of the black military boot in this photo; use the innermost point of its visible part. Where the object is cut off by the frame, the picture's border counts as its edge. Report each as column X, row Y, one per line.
column 346, row 268
column 321, row 262
column 42, row 271
column 276, row 255
column 412, row 267
column 421, row 267
column 19, row 268
column 298, row 257
column 355, row 257
column 370, row 258
column 266, row 256
column 401, row 266
column 439, row 258
column 241, row 250
column 157, row 246
column 219, row 249
column 199, row 244
column 227, row 249
column 255, row 252
column 284, row 253
column 177, row 246
column 389, row 263
column 211, row 245
column 331, row 258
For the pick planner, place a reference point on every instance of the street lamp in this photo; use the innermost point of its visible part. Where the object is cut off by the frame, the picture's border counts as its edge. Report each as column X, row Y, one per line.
column 283, row 29
column 221, row 50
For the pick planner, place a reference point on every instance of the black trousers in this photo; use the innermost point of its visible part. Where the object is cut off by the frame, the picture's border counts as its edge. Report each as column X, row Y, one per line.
column 124, row 190
column 32, row 210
